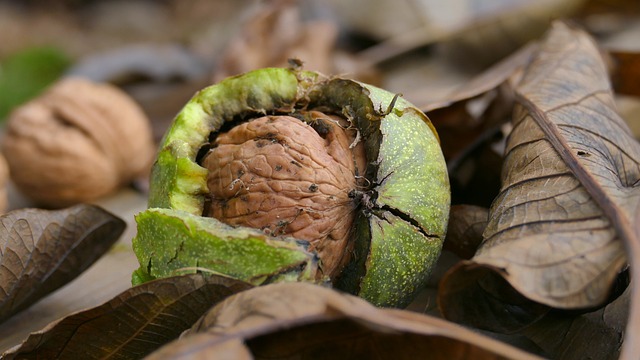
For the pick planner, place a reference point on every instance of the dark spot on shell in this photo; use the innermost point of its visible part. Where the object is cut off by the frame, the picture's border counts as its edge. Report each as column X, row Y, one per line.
column 278, row 167
column 313, row 187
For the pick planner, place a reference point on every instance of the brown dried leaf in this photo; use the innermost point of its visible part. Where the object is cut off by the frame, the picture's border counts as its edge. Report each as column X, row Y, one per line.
column 464, row 234
column 298, row 320
column 132, row 324
column 274, row 34
column 469, row 121
column 626, row 72
column 42, row 250
column 473, row 31
column 501, row 73
column 569, row 195
column 629, row 109
column 595, row 335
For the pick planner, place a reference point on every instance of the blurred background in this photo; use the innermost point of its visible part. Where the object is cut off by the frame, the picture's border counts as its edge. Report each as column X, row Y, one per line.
column 161, row 52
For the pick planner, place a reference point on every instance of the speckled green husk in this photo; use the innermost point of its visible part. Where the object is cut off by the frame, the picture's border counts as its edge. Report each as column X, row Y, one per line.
column 398, row 236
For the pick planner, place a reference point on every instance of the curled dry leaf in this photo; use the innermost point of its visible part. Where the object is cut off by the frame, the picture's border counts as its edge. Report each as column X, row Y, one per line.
column 464, row 233
column 298, row 320
column 132, row 324
column 595, row 335
column 77, row 142
column 626, row 72
column 502, row 27
column 502, row 73
column 276, row 33
column 568, row 197
column 478, row 32
column 469, row 121
column 42, row 250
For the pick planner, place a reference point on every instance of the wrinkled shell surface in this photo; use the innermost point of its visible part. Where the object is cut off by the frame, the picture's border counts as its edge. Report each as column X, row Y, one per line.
column 77, row 142
column 279, row 174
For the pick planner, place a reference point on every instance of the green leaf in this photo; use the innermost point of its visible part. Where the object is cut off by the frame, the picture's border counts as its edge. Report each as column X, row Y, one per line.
column 25, row 74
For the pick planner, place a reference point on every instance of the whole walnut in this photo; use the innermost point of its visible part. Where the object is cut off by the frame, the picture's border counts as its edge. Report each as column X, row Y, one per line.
column 76, row 143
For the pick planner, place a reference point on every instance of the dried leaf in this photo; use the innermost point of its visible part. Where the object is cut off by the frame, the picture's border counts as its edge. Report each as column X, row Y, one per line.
column 469, row 121
column 274, row 34
column 595, row 335
column 503, row 72
column 298, row 320
column 629, row 109
column 481, row 32
column 132, row 324
column 464, row 234
column 475, row 176
column 41, row 250
column 568, row 197
column 626, row 72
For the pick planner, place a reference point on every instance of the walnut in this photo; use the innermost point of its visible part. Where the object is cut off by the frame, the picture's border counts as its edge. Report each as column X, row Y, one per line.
column 77, row 142
column 280, row 175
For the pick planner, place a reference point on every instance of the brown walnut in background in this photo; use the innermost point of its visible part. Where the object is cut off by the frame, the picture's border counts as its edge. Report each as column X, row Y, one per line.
column 77, row 142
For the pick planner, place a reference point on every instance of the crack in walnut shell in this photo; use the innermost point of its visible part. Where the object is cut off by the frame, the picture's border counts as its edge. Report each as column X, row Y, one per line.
column 287, row 177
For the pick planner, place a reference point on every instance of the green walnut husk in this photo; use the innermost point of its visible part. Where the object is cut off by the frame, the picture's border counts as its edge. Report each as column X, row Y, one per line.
column 401, row 217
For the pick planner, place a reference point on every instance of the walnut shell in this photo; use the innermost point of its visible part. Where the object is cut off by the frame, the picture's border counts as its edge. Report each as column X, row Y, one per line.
column 77, row 142
column 280, row 175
